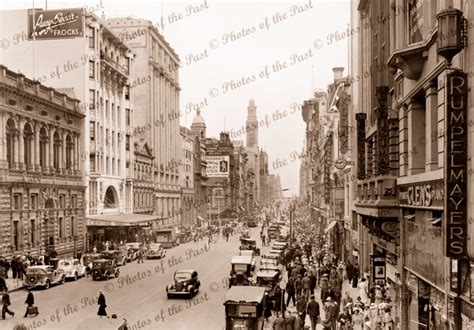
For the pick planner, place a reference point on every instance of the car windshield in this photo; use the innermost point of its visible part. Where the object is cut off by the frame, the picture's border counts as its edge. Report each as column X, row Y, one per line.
column 64, row 263
column 98, row 264
column 240, row 268
column 35, row 271
column 182, row 277
column 154, row 246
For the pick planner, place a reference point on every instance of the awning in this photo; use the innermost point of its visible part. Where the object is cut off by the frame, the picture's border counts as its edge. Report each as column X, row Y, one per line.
column 200, row 218
column 116, row 220
column 331, row 226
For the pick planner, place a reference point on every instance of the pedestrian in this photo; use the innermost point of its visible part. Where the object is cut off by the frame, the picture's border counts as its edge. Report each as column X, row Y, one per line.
column 301, row 305
column 357, row 319
column 279, row 323
column 289, row 321
column 313, row 311
column 30, row 301
column 349, row 271
column 298, row 286
column 363, row 291
column 346, row 300
column 355, row 276
column 290, row 290
column 306, row 285
column 3, row 284
column 102, row 305
column 268, row 306
column 313, row 280
column 345, row 320
column 330, row 312
column 5, row 303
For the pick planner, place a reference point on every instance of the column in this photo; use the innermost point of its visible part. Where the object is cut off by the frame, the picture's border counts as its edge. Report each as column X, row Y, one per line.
column 3, row 139
column 21, row 149
column 36, row 130
column 431, row 128
column 416, row 132
column 62, row 161
column 74, row 159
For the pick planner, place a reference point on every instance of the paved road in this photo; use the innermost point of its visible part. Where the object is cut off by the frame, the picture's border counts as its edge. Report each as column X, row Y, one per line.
column 139, row 295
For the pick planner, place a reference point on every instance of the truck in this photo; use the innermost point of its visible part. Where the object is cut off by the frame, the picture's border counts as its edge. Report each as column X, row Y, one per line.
column 167, row 238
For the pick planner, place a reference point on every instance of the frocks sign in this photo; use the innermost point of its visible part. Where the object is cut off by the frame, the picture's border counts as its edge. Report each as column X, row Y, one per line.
column 55, row 24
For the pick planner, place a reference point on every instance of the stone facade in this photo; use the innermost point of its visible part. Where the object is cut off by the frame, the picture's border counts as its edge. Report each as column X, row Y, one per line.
column 41, row 185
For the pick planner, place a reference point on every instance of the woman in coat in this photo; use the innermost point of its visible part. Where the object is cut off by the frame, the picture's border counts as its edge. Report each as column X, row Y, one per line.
column 102, row 305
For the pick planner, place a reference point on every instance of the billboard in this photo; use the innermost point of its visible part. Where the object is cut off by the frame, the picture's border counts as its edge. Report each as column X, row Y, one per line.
column 55, row 24
column 217, row 166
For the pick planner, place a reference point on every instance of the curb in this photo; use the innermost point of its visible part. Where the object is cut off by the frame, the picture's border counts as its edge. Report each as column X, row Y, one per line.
column 17, row 289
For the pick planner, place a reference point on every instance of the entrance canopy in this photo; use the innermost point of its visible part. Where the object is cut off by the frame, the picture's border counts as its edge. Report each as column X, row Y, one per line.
column 331, row 226
column 120, row 220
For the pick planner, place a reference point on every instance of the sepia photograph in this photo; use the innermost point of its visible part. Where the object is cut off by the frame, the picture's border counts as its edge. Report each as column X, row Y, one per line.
column 236, row 164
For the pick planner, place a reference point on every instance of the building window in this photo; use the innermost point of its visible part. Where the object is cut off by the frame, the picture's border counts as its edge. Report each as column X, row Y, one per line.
column 92, row 163
column 69, row 150
column 11, row 130
column 91, row 37
column 32, row 233
column 33, row 201
column 127, row 117
column 127, row 92
column 118, row 116
column 62, row 201
column 17, row 202
column 91, row 99
column 15, row 235
column 73, row 226
column 92, row 130
column 127, row 143
column 56, row 150
column 91, row 69
column 27, row 144
column 415, row 20
column 73, row 201
column 43, row 147
column 61, row 227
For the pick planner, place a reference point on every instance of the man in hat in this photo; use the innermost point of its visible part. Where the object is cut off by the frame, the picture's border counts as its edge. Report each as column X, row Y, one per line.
column 301, row 308
column 331, row 311
column 30, row 301
column 313, row 311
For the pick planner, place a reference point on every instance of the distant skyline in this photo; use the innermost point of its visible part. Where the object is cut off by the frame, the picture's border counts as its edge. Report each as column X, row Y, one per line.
column 233, row 52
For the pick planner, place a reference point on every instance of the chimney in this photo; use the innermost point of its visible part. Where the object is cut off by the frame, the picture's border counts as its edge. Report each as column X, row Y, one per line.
column 338, row 72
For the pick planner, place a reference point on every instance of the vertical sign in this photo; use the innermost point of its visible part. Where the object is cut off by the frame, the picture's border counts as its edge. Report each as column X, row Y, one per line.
column 360, row 118
column 456, row 164
column 379, row 273
column 382, row 167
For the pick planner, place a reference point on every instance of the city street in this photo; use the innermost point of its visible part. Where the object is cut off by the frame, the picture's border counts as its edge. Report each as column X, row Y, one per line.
column 139, row 295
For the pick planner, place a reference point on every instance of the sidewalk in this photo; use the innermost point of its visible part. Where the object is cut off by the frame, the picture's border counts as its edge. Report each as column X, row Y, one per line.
column 13, row 284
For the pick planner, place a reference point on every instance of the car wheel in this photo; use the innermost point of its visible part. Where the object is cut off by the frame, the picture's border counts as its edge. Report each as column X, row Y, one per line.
column 75, row 276
column 169, row 295
column 191, row 293
column 63, row 279
column 46, row 286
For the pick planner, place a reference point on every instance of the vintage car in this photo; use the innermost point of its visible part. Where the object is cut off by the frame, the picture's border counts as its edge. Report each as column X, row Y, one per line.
column 241, row 271
column 72, row 268
column 43, row 276
column 155, row 250
column 112, row 323
column 88, row 258
column 119, row 256
column 132, row 250
column 186, row 282
column 245, row 235
column 249, row 244
column 104, row 269
column 252, row 255
column 252, row 224
column 279, row 245
column 244, row 306
column 267, row 278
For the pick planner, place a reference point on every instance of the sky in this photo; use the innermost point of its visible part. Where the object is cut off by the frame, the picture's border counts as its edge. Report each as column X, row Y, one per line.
column 275, row 52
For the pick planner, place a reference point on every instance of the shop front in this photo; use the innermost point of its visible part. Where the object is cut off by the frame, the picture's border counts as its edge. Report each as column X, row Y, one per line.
column 426, row 275
column 119, row 228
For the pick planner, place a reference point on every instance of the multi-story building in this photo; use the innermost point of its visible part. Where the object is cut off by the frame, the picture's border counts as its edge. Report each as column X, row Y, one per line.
column 198, row 129
column 253, row 154
column 186, row 167
column 411, row 82
column 155, row 89
column 94, row 64
column 143, row 186
column 41, row 182
column 221, row 190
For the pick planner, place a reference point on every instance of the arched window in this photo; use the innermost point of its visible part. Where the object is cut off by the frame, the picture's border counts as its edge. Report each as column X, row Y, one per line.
column 69, row 150
column 10, row 143
column 27, row 144
column 43, row 147
column 56, row 150
column 110, row 201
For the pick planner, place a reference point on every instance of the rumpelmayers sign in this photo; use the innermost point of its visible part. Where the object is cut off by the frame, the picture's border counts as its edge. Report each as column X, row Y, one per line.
column 55, row 24
column 456, row 164
column 427, row 194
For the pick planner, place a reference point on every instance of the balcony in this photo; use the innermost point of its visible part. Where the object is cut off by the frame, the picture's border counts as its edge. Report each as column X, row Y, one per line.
column 112, row 65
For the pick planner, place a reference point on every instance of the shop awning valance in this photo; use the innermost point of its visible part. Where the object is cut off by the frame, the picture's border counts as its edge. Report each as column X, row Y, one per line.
column 118, row 220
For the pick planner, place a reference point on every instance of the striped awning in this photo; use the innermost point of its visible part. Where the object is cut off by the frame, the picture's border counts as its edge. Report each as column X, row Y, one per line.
column 124, row 219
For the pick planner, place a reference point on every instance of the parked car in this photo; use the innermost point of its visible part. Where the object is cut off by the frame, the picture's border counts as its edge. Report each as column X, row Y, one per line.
column 104, row 269
column 120, row 256
column 155, row 250
column 132, row 250
column 43, row 276
column 72, row 268
column 186, row 282
column 249, row 244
